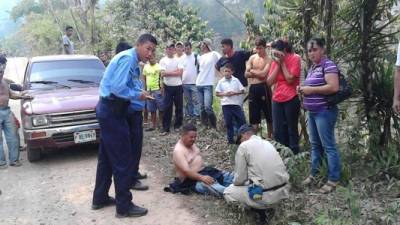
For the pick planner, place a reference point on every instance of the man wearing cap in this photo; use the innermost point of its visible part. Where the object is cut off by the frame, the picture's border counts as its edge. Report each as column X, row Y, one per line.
column 258, row 166
column 171, row 72
column 396, row 97
column 190, row 71
column 205, row 81
column 179, row 51
column 7, row 124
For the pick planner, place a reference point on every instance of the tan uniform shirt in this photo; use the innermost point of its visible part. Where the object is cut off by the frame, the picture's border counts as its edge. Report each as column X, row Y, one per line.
column 258, row 160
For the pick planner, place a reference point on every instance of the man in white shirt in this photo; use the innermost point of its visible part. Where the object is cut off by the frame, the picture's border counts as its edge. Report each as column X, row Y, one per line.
column 68, row 45
column 205, row 81
column 396, row 97
column 190, row 71
column 171, row 72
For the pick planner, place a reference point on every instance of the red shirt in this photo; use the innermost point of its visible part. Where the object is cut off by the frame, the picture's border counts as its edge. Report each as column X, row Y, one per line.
column 284, row 91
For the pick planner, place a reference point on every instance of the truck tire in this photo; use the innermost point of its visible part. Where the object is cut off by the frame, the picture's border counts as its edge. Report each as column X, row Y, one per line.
column 34, row 154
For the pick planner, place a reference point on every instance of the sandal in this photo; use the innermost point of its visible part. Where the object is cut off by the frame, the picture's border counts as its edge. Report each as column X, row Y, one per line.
column 309, row 180
column 328, row 187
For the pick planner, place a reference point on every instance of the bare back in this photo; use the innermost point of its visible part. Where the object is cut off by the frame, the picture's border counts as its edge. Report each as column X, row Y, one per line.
column 186, row 158
column 4, row 93
column 257, row 63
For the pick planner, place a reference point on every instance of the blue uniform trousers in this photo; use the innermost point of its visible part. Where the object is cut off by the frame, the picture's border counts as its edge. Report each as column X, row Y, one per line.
column 115, row 158
column 135, row 123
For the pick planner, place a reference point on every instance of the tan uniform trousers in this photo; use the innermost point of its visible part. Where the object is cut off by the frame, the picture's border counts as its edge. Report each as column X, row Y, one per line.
column 239, row 194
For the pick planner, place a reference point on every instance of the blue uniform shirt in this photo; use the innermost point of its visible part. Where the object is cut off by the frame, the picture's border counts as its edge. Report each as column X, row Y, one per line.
column 122, row 78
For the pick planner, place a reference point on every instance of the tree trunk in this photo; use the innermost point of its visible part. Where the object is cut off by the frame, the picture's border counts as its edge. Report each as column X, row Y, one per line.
column 81, row 38
column 51, row 11
column 328, row 23
column 307, row 19
column 307, row 12
column 386, row 134
column 321, row 15
column 92, row 14
column 366, row 54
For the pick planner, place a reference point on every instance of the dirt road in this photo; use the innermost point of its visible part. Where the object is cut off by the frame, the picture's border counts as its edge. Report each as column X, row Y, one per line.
column 58, row 191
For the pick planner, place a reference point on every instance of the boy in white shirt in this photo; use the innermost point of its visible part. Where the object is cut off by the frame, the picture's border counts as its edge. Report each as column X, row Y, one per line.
column 231, row 92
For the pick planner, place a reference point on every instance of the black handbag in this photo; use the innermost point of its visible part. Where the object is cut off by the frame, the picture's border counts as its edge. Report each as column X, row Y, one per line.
column 344, row 92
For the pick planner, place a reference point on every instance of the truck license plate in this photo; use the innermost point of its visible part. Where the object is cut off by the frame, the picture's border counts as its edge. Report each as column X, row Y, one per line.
column 85, row 136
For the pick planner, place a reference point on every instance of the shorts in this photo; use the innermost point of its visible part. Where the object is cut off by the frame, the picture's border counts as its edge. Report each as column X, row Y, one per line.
column 260, row 102
column 157, row 103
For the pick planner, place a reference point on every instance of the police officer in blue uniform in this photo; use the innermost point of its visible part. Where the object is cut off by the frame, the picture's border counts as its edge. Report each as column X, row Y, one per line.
column 135, row 123
column 119, row 87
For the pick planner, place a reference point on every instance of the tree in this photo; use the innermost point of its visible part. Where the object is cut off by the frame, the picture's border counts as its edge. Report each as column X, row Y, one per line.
column 167, row 19
column 369, row 35
column 26, row 7
column 99, row 29
column 227, row 23
column 41, row 34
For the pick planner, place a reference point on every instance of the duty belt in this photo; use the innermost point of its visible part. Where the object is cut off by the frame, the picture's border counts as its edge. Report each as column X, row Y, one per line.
column 274, row 187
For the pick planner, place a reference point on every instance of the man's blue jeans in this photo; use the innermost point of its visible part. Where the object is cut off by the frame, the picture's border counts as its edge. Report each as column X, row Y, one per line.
column 7, row 125
column 202, row 188
column 191, row 108
column 321, row 128
column 205, row 94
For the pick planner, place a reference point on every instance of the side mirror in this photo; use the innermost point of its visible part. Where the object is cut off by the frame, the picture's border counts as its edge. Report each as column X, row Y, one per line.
column 16, row 87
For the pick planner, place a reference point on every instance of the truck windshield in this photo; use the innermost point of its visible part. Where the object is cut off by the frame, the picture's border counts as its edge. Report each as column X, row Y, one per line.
column 67, row 73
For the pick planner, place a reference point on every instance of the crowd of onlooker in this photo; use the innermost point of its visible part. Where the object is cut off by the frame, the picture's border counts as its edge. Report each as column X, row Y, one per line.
column 268, row 77
column 183, row 83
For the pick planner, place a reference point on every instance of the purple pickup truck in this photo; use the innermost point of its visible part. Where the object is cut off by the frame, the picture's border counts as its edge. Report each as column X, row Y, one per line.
column 62, row 112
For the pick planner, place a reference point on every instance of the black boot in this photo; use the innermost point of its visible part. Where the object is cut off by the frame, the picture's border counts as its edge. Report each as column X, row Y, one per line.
column 204, row 118
column 261, row 217
column 213, row 120
column 264, row 216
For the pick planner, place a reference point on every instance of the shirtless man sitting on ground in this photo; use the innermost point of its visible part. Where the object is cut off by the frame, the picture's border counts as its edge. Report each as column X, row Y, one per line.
column 190, row 169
